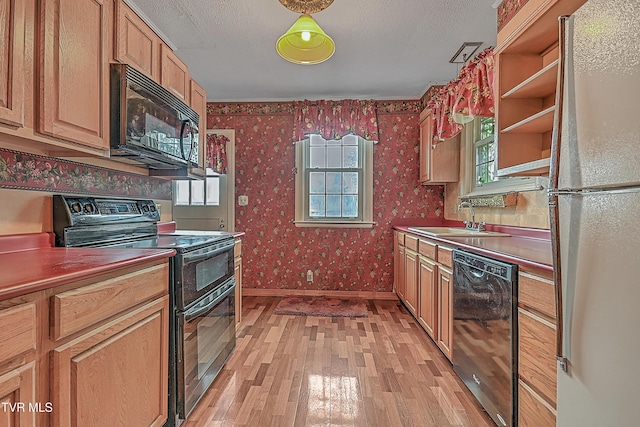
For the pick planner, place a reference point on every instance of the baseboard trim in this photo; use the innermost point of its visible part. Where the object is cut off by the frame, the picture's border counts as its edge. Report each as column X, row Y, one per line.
column 316, row 293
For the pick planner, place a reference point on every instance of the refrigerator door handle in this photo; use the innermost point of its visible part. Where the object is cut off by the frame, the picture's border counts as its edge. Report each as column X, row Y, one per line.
column 556, row 139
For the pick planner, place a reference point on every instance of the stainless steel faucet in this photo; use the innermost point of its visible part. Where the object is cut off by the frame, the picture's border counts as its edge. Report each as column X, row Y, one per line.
column 471, row 225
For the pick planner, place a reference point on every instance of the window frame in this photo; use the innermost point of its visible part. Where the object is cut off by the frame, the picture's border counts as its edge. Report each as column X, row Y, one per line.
column 501, row 186
column 365, row 189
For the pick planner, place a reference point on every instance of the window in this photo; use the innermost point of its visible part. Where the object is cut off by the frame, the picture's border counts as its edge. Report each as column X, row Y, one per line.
column 484, row 151
column 197, row 192
column 481, row 169
column 334, row 182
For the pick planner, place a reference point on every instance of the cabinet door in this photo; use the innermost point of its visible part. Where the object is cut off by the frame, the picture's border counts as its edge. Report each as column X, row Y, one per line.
column 116, row 374
column 12, row 46
column 445, row 310
column 439, row 163
column 17, row 387
column 425, row 147
column 238, row 275
column 401, row 283
column 198, row 101
column 136, row 43
column 174, row 74
column 428, row 305
column 74, row 84
column 411, row 280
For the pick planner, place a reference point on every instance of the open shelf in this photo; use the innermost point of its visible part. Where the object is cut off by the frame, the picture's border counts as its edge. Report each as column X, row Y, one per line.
column 536, row 167
column 538, row 123
column 539, row 85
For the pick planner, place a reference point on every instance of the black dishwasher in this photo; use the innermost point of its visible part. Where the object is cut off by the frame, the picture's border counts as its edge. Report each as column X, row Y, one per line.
column 485, row 332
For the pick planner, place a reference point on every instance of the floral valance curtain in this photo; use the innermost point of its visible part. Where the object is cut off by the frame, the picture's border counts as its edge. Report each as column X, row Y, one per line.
column 216, row 151
column 470, row 95
column 335, row 119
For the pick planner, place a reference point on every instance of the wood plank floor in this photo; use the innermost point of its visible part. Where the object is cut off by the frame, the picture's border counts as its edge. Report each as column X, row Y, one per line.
column 382, row 370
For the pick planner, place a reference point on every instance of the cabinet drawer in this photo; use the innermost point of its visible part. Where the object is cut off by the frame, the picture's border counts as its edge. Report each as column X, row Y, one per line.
column 237, row 249
column 79, row 308
column 533, row 411
column 427, row 249
column 411, row 242
column 537, row 293
column 537, row 363
column 445, row 256
column 18, row 331
column 400, row 237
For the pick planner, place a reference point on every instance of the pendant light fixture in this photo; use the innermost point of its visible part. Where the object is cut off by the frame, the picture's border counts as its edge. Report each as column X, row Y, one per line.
column 305, row 42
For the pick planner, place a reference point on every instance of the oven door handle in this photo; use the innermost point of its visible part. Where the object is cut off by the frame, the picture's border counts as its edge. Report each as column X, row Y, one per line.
column 197, row 311
column 188, row 258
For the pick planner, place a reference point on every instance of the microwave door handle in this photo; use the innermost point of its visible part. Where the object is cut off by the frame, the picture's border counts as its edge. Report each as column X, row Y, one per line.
column 184, row 124
column 191, row 258
column 198, row 311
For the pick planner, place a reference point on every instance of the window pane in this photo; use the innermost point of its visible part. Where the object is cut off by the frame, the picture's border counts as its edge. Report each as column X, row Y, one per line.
column 182, row 192
column 333, row 205
column 486, row 127
column 481, row 154
column 350, row 206
column 316, row 140
column 350, row 182
column 316, row 182
column 213, row 190
column 316, row 206
column 350, row 159
column 490, row 151
column 334, row 154
column 350, row 140
column 317, row 157
column 334, row 183
column 197, row 192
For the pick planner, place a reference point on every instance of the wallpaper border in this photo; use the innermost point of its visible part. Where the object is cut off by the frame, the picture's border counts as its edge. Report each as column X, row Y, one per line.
column 24, row 171
column 286, row 108
column 507, row 10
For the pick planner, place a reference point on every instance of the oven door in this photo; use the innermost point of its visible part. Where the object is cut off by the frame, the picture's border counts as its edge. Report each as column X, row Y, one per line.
column 206, row 338
column 200, row 271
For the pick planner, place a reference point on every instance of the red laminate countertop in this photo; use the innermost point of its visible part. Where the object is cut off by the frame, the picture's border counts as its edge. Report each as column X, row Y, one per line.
column 524, row 250
column 35, row 269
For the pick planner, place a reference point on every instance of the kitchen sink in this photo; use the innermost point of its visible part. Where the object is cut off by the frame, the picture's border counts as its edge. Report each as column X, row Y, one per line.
column 455, row 232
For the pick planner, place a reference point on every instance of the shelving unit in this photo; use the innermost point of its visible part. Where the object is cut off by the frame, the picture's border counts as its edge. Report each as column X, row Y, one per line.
column 527, row 59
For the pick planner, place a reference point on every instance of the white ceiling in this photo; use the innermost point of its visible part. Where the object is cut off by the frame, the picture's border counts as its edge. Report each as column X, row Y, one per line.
column 385, row 49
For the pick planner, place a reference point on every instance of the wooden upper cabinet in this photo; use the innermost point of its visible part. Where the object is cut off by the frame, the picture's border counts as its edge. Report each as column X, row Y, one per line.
column 526, row 79
column 12, row 47
column 74, row 71
column 175, row 74
column 136, row 43
column 198, row 101
column 439, row 163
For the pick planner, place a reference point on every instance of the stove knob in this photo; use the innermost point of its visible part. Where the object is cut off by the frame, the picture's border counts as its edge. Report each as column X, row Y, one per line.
column 152, row 207
column 145, row 208
column 88, row 208
column 76, row 208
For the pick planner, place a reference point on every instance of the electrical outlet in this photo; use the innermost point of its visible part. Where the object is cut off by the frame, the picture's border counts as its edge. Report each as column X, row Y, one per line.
column 309, row 276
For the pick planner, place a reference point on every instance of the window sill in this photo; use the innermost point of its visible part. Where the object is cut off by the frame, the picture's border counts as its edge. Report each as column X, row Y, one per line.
column 334, row 224
column 511, row 185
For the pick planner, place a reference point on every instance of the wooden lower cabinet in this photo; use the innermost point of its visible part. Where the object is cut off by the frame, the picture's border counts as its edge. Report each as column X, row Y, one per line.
column 411, row 281
column 445, row 308
column 18, row 396
column 428, row 304
column 533, row 411
column 116, row 374
column 238, row 276
column 401, row 281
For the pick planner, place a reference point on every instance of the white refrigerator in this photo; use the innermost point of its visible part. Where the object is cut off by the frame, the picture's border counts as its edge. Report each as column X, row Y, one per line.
column 595, row 216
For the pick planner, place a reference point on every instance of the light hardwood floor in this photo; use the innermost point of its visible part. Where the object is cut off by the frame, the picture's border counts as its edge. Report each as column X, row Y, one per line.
column 382, row 370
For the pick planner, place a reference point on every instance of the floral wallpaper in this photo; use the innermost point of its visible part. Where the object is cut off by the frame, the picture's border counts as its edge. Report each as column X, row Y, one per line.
column 32, row 172
column 507, row 9
column 277, row 254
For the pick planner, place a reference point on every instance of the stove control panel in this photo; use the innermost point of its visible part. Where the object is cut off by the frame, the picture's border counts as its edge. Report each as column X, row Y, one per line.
column 97, row 210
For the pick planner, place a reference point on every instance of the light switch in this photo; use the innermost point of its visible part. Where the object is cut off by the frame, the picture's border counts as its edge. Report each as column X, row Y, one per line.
column 243, row 200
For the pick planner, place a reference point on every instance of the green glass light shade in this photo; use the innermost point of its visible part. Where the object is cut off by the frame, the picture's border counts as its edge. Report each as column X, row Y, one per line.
column 305, row 42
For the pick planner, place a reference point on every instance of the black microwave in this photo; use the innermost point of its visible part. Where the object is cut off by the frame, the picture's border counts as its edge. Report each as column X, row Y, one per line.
column 149, row 125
